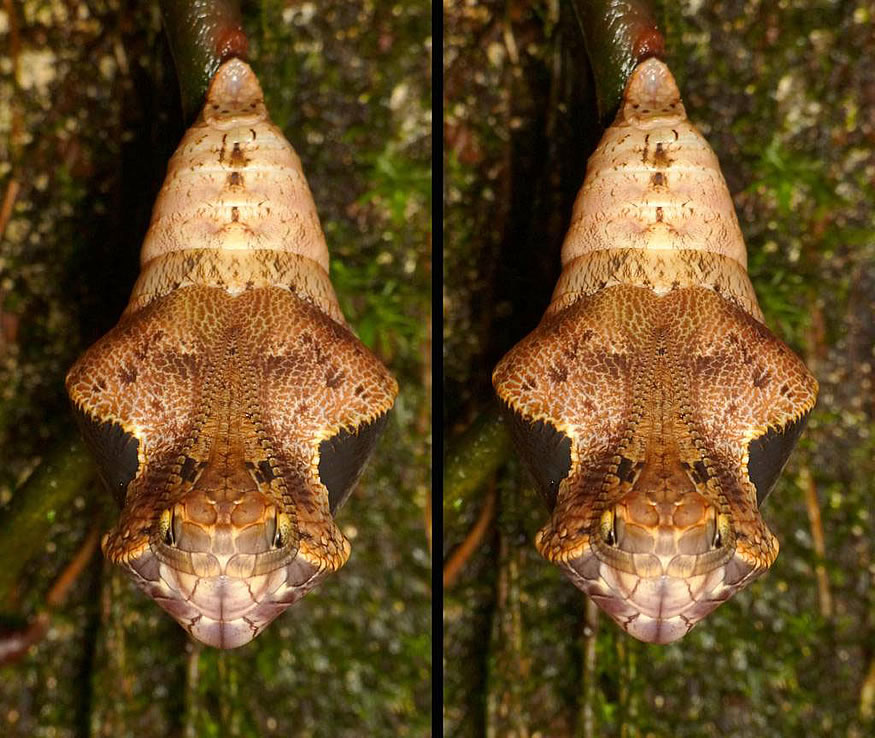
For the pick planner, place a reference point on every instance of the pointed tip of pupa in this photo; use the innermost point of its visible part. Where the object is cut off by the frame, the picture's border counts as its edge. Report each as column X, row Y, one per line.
column 652, row 95
column 234, row 97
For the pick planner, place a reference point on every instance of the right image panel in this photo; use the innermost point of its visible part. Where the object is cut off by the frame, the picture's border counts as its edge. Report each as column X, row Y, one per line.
column 658, row 291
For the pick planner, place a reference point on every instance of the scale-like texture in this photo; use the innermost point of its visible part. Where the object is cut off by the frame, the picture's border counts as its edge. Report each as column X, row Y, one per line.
column 653, row 361
column 232, row 368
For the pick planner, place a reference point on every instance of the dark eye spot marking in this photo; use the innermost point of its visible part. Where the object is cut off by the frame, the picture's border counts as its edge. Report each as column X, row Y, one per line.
column 627, row 469
column 545, row 450
column 768, row 454
column 558, row 373
column 334, row 377
column 700, row 472
column 661, row 157
column 189, row 469
column 265, row 471
column 128, row 374
column 238, row 159
column 343, row 456
column 114, row 449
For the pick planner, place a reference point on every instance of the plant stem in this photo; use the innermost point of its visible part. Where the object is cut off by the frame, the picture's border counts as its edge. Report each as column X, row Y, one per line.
column 824, row 593
column 471, row 460
column 459, row 557
column 587, row 715
column 202, row 35
column 24, row 526
column 618, row 35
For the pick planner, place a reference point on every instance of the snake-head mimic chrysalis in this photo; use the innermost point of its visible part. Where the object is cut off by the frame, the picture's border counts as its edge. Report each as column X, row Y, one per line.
column 231, row 409
column 652, row 405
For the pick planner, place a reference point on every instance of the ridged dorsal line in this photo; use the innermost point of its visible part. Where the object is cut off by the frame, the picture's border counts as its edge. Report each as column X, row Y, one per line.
column 653, row 184
column 235, row 183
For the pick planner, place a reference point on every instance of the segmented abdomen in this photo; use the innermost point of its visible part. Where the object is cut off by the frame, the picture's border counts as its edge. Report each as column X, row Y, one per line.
column 654, row 210
column 235, row 211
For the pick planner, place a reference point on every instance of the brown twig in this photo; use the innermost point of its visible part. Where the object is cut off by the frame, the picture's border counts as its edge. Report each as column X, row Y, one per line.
column 61, row 588
column 618, row 35
column 814, row 356
column 9, row 197
column 15, row 643
column 809, row 487
column 867, row 694
column 460, row 556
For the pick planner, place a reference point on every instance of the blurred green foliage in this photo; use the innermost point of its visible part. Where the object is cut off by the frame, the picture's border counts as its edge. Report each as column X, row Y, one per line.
column 88, row 119
column 780, row 92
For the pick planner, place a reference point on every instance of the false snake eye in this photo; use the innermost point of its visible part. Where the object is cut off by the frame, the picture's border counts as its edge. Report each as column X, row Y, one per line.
column 282, row 530
column 233, row 352
column 653, row 356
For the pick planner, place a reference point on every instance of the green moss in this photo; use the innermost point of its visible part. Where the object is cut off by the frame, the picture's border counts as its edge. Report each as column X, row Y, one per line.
column 353, row 658
column 776, row 89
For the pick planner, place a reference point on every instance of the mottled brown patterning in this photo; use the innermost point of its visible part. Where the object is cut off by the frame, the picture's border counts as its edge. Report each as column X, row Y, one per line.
column 231, row 409
column 652, row 404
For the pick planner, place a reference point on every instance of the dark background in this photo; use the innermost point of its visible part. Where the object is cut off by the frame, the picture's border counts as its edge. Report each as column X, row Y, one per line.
column 89, row 115
column 785, row 94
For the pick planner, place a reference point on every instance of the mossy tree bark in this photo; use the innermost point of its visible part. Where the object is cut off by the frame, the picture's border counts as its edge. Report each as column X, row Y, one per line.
column 763, row 83
column 98, row 106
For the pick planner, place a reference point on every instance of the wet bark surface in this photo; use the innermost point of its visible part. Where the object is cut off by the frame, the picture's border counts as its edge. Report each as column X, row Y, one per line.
column 90, row 114
column 784, row 96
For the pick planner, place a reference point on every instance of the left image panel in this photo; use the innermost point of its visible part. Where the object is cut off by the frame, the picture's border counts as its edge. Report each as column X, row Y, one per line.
column 221, row 221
